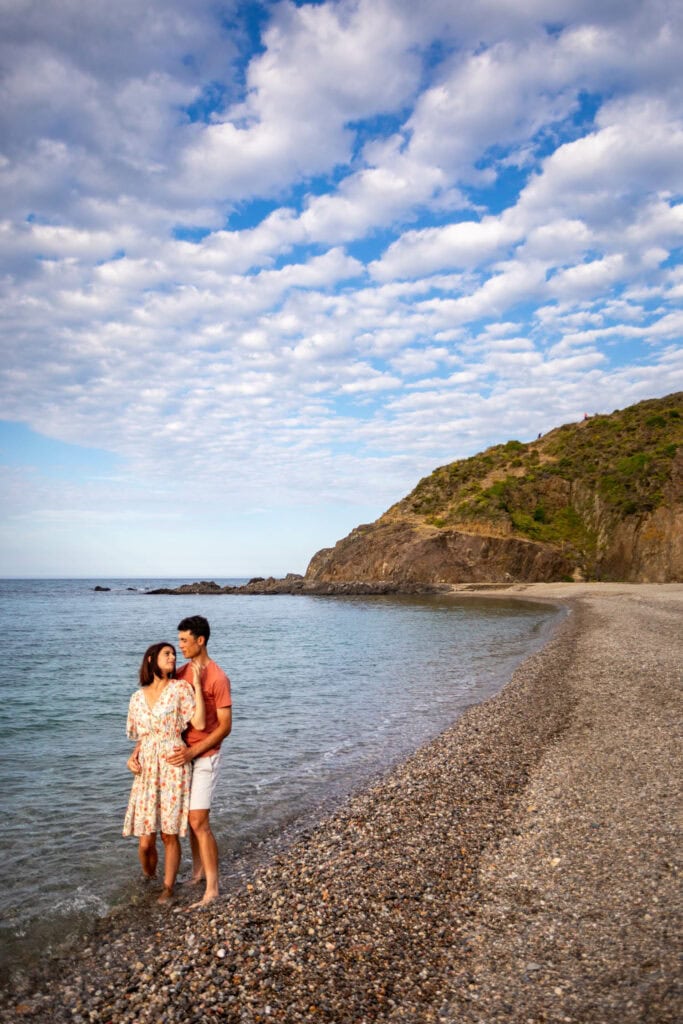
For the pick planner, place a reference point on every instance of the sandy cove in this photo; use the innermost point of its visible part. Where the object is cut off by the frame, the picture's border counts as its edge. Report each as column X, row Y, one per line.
column 523, row 867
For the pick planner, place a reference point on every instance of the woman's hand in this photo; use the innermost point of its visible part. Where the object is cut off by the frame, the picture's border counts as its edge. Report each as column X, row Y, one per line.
column 198, row 720
column 133, row 763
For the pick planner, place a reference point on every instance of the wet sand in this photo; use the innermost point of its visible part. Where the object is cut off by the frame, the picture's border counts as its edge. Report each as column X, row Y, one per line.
column 523, row 867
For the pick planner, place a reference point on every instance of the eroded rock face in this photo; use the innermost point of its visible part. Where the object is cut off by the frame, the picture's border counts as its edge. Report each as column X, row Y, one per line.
column 648, row 550
column 640, row 549
column 401, row 553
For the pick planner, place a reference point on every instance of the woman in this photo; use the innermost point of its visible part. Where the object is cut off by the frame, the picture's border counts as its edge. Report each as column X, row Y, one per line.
column 159, row 801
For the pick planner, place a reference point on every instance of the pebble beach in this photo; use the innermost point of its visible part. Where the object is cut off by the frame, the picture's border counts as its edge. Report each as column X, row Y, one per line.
column 523, row 867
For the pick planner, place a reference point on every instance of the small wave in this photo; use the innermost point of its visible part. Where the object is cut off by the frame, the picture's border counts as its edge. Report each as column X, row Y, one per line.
column 81, row 901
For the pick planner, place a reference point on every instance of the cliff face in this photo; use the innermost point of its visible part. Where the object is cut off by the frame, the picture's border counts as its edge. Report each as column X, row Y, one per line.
column 404, row 554
column 601, row 499
column 648, row 551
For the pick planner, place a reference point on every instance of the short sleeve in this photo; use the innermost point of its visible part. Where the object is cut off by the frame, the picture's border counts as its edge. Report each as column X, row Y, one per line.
column 221, row 691
column 132, row 723
column 186, row 701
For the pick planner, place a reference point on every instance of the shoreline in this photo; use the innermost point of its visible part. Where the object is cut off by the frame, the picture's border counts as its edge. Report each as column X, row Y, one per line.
column 519, row 867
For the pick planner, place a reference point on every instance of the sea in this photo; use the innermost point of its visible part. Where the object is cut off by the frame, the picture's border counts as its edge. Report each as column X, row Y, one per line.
column 328, row 692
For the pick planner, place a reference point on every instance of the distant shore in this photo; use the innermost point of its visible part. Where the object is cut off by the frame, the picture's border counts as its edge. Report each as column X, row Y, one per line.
column 294, row 583
column 522, row 867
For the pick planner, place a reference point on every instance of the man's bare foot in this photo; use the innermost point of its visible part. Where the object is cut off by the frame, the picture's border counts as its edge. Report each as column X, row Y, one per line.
column 204, row 901
column 166, row 895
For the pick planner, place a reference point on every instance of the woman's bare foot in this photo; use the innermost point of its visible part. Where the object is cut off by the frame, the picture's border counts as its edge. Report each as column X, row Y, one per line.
column 166, row 895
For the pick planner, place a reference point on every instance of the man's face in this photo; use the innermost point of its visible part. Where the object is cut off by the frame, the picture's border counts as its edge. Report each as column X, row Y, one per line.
column 190, row 645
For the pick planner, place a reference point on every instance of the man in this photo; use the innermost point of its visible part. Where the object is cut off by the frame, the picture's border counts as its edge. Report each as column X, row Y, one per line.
column 203, row 748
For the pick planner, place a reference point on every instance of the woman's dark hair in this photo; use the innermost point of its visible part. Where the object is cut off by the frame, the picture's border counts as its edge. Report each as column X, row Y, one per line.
column 150, row 662
column 197, row 625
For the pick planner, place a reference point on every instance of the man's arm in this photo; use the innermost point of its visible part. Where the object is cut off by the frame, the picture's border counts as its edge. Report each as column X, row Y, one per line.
column 182, row 755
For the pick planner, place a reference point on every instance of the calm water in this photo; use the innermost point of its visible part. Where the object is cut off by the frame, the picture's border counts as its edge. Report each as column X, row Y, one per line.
column 327, row 693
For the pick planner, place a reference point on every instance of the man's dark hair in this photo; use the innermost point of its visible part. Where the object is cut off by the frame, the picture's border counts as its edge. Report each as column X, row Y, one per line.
column 197, row 625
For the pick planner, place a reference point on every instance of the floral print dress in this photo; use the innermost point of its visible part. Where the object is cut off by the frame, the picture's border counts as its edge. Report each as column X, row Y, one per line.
column 160, row 797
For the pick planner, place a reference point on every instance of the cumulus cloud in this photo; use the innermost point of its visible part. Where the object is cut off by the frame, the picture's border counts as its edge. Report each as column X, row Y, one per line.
column 322, row 68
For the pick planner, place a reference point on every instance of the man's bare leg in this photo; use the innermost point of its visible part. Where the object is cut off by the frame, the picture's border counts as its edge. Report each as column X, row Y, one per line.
column 197, row 869
column 208, row 854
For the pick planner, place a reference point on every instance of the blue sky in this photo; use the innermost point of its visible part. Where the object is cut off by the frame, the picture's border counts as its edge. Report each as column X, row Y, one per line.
column 267, row 265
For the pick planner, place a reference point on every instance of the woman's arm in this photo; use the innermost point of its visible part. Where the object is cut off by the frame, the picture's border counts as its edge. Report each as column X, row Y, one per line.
column 198, row 720
column 133, row 763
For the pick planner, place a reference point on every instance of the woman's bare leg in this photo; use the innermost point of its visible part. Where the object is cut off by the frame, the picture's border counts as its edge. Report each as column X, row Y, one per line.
column 147, row 854
column 171, row 864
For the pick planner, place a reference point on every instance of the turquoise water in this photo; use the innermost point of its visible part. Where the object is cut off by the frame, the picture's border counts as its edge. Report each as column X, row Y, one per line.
column 327, row 693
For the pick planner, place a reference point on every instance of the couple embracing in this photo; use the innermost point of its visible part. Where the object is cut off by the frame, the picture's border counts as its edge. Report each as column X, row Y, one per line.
column 179, row 720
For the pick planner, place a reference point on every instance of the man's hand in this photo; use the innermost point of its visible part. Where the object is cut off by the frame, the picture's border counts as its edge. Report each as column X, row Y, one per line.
column 133, row 764
column 180, row 756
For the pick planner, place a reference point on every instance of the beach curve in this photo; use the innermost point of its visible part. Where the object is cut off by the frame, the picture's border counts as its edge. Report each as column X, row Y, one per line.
column 521, row 867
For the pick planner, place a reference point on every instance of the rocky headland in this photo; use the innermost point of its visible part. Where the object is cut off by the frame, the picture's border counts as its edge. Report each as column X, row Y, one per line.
column 599, row 500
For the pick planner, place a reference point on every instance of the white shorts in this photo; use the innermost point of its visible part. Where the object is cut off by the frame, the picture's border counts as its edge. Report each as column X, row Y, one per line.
column 204, row 776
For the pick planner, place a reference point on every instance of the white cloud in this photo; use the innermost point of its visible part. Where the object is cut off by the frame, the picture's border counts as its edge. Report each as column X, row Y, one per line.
column 323, row 66
column 588, row 279
column 462, row 245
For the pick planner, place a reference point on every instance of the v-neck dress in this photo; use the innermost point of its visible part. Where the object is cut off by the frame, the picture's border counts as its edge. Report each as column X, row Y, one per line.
column 160, row 796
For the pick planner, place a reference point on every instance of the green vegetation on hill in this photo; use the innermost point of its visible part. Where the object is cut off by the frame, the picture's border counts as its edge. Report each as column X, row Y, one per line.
column 549, row 490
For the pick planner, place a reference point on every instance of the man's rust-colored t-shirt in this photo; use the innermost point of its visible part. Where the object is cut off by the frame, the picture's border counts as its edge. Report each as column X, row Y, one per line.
column 216, row 690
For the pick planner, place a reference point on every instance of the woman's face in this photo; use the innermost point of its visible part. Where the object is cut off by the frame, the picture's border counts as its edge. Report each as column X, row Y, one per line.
column 165, row 661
